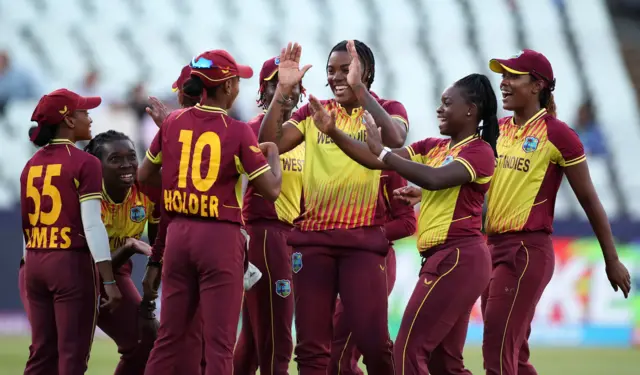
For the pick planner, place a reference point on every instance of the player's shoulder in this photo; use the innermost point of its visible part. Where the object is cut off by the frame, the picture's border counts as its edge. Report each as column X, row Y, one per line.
column 256, row 122
column 504, row 120
column 481, row 145
column 175, row 114
column 558, row 131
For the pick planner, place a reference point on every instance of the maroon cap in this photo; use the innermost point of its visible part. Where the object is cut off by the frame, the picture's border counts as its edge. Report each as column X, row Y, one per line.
column 184, row 76
column 269, row 69
column 526, row 62
column 55, row 106
column 217, row 66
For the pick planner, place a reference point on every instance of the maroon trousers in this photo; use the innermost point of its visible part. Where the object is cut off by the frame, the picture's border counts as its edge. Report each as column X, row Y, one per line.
column 62, row 295
column 121, row 326
column 350, row 263
column 192, row 354
column 434, row 325
column 344, row 354
column 523, row 264
column 265, row 339
column 203, row 267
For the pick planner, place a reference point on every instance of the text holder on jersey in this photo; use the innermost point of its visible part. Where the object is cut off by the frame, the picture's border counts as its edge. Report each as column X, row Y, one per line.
column 47, row 235
column 203, row 205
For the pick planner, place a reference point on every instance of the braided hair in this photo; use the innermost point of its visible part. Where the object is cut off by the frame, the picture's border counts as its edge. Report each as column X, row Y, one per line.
column 95, row 146
column 476, row 89
column 262, row 92
column 366, row 56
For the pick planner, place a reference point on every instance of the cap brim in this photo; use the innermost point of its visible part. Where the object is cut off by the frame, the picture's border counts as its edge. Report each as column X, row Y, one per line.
column 271, row 75
column 500, row 66
column 89, row 102
column 245, row 71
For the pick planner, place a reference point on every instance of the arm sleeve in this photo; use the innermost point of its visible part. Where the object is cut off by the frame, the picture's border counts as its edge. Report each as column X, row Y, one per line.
column 397, row 111
column 94, row 230
column 89, row 180
column 479, row 160
column 402, row 221
column 299, row 118
column 570, row 148
column 154, row 153
column 250, row 160
column 418, row 151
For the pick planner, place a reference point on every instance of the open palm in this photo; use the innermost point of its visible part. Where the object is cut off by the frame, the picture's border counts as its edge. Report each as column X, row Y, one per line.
column 324, row 120
column 289, row 72
column 374, row 140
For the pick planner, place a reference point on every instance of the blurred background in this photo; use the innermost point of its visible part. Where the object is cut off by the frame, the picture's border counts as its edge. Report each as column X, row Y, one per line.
column 126, row 50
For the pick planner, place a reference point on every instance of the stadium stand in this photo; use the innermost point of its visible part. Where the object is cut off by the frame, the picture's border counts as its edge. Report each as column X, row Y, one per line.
column 420, row 48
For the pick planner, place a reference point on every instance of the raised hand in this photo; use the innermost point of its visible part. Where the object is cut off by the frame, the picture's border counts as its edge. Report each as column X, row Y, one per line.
column 374, row 139
column 324, row 120
column 268, row 148
column 409, row 195
column 289, row 72
column 157, row 110
column 618, row 276
column 354, row 77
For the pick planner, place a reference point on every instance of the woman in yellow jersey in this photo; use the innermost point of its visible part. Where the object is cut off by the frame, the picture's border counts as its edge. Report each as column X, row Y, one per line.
column 535, row 150
column 338, row 241
column 454, row 174
column 265, row 340
column 127, row 208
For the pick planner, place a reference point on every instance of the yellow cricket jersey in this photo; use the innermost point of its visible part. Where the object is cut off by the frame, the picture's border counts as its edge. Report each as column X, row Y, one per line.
column 129, row 218
column 530, row 168
column 338, row 193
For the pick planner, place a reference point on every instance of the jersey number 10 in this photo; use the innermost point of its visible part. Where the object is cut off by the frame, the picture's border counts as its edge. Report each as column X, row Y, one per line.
column 210, row 139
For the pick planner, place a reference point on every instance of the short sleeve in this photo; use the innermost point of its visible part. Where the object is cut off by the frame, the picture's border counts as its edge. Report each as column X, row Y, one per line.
column 154, row 153
column 478, row 158
column 89, row 180
column 419, row 150
column 566, row 140
column 250, row 160
column 397, row 111
column 300, row 118
column 255, row 123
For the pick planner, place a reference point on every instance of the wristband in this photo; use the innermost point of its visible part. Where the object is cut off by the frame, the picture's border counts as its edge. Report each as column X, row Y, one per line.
column 108, row 282
column 153, row 263
column 385, row 151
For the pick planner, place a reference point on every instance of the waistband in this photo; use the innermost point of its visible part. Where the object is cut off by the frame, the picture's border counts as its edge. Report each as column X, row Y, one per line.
column 270, row 223
column 536, row 237
column 456, row 242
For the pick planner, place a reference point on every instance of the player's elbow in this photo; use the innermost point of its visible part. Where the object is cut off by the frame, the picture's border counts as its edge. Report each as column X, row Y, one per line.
column 395, row 140
column 410, row 225
column 272, row 193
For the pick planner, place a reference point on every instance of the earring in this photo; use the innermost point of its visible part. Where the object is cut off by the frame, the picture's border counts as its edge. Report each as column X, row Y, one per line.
column 468, row 113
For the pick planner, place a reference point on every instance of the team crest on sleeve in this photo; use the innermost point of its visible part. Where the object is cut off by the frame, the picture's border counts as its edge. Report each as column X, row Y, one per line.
column 255, row 149
column 296, row 262
column 447, row 160
column 137, row 214
column 530, row 144
column 277, row 61
column 283, row 288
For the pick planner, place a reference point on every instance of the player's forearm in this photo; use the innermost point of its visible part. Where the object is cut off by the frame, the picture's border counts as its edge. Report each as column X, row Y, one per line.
column 399, row 228
column 601, row 227
column 121, row 256
column 94, row 230
column 273, row 159
column 105, row 269
column 356, row 150
column 271, row 127
column 393, row 134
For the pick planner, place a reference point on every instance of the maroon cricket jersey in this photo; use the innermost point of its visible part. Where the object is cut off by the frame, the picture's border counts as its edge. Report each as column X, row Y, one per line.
column 455, row 212
column 53, row 183
column 203, row 151
column 287, row 207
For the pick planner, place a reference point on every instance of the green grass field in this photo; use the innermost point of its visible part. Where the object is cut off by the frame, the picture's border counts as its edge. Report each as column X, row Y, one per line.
column 549, row 361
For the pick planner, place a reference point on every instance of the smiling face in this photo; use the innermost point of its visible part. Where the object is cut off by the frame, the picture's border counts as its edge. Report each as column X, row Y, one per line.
column 519, row 90
column 119, row 164
column 454, row 113
column 337, row 70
